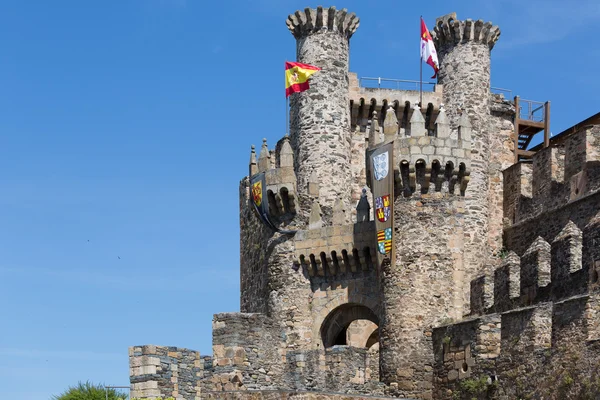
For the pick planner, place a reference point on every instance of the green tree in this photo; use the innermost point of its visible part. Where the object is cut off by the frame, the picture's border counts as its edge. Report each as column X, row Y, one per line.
column 89, row 391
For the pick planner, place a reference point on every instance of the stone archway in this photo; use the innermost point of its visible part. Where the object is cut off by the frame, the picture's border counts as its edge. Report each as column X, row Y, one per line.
column 334, row 326
column 373, row 339
column 360, row 332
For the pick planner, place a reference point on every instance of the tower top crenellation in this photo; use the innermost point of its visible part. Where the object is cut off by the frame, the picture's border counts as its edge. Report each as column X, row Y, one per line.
column 449, row 31
column 303, row 23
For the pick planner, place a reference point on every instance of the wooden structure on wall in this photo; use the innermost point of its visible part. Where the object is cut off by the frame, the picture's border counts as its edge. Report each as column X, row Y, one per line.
column 531, row 117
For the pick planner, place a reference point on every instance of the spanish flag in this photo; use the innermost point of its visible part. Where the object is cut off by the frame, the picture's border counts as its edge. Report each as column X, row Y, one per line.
column 296, row 76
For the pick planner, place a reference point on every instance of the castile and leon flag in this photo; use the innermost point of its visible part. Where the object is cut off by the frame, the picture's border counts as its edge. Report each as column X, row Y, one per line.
column 296, row 76
column 428, row 53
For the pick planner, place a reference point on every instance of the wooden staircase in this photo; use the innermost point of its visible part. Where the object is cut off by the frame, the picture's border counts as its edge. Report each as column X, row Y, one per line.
column 531, row 117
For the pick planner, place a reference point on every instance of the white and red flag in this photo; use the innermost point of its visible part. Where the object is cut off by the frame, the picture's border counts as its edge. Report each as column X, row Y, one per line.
column 428, row 53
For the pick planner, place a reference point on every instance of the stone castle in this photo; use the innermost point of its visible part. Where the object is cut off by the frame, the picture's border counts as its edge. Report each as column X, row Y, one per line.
column 492, row 291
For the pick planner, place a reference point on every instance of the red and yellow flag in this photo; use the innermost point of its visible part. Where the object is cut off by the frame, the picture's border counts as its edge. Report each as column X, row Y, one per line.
column 296, row 76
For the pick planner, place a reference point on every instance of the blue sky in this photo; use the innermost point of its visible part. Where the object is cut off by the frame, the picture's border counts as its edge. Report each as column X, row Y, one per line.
column 125, row 127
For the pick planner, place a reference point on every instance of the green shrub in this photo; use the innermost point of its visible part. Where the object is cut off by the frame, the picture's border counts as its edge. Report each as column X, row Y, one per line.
column 89, row 391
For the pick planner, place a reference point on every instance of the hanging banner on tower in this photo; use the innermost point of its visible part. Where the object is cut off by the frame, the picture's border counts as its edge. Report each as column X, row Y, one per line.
column 260, row 201
column 382, row 186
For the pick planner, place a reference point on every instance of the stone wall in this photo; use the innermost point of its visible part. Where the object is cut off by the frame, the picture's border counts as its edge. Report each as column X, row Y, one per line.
column 544, row 293
column 348, row 371
column 280, row 395
column 336, row 249
column 338, row 302
column 502, row 132
column 545, row 351
column 247, row 350
column 464, row 350
column 546, row 271
column 421, row 289
column 249, row 355
column 158, row 371
column 365, row 103
column 560, row 175
column 253, row 256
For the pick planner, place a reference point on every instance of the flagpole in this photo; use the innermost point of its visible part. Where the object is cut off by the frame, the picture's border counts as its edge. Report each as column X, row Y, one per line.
column 420, row 82
column 420, row 73
column 287, row 114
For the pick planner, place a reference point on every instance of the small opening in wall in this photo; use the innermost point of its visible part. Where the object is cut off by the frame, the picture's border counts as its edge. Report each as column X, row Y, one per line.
column 285, row 199
column 420, row 176
column 595, row 276
column 465, row 367
column 340, row 340
column 576, row 190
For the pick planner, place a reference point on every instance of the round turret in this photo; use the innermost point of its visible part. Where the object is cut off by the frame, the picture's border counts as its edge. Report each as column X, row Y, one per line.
column 464, row 53
column 320, row 116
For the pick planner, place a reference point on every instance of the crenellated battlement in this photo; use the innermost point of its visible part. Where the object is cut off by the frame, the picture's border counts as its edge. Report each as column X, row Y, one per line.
column 278, row 166
column 448, row 31
column 366, row 102
column 337, row 250
column 437, row 160
column 544, row 272
column 558, row 176
column 303, row 23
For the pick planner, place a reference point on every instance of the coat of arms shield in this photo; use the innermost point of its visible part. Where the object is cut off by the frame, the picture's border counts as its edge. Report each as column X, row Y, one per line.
column 381, row 165
column 382, row 208
column 384, row 240
column 257, row 193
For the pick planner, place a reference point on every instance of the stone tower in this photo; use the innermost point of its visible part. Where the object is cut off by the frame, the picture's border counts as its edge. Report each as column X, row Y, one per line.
column 320, row 118
column 308, row 178
column 464, row 49
column 422, row 286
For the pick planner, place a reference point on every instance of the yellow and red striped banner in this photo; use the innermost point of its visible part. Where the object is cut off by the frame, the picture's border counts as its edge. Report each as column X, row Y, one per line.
column 296, row 76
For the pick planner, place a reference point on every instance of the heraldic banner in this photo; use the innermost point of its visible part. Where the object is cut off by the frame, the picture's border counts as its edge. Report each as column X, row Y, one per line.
column 381, row 161
column 258, row 195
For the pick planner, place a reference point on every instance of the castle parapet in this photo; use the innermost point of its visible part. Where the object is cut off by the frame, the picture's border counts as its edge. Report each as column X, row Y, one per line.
column 165, row 371
column 449, row 31
column 335, row 250
column 278, row 166
column 507, row 283
column 558, row 176
column 303, row 23
column 544, row 272
column 436, row 160
column 365, row 102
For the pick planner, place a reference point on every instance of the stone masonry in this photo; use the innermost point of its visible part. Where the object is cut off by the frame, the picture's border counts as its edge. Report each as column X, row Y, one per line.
column 319, row 118
column 493, row 290
column 464, row 52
